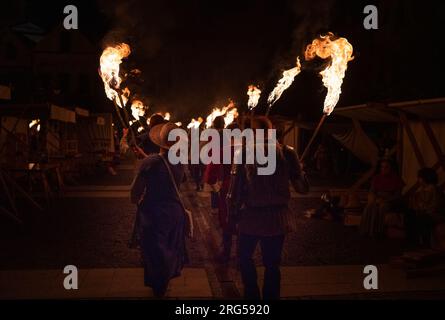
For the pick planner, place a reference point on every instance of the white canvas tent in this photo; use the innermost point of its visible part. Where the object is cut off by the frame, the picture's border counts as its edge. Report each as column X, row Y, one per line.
column 421, row 139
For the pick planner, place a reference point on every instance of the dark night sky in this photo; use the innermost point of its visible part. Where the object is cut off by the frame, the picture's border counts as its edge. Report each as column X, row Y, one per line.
column 197, row 53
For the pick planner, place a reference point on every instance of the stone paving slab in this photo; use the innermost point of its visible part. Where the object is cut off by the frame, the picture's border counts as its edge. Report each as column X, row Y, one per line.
column 98, row 188
column 300, row 282
column 126, row 283
column 106, row 283
column 97, row 194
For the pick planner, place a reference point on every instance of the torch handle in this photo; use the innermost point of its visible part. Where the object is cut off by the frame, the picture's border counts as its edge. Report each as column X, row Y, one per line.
column 127, row 118
column 124, row 125
column 314, row 135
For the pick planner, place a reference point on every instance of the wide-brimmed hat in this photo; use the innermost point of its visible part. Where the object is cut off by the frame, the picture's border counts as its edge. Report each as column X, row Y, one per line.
column 159, row 134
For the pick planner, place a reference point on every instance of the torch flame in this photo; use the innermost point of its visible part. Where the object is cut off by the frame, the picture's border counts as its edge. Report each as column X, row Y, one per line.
column 137, row 109
column 284, row 83
column 230, row 116
column 110, row 61
column 35, row 122
column 195, row 123
column 229, row 112
column 216, row 112
column 254, row 94
column 340, row 51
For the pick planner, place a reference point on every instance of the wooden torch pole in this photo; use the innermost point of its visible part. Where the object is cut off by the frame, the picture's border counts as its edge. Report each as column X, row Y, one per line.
column 314, row 135
column 127, row 118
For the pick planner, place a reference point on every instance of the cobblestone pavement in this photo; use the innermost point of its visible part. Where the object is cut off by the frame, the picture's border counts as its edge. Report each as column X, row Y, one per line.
column 93, row 232
column 87, row 232
column 321, row 242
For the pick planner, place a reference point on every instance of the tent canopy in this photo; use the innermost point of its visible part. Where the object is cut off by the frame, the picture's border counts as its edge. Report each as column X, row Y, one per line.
column 433, row 109
column 422, row 141
column 37, row 111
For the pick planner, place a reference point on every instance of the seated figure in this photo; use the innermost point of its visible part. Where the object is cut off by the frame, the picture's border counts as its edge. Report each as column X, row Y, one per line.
column 426, row 209
column 385, row 194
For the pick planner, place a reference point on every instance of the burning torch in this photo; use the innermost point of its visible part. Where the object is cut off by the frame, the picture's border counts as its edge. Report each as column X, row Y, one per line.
column 285, row 82
column 110, row 61
column 340, row 51
column 254, row 94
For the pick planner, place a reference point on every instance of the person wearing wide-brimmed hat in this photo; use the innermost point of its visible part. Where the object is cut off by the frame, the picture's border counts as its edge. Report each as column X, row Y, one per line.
column 162, row 220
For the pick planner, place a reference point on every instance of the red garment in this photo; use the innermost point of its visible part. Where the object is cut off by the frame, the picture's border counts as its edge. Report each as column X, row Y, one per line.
column 387, row 183
column 220, row 173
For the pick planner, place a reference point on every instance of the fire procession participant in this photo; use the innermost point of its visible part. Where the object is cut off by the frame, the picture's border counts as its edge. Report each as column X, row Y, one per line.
column 386, row 190
column 162, row 220
column 142, row 150
column 217, row 175
column 261, row 202
column 147, row 146
column 197, row 170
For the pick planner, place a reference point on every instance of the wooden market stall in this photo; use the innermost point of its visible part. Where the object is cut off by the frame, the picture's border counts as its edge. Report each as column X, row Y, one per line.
column 420, row 142
column 42, row 143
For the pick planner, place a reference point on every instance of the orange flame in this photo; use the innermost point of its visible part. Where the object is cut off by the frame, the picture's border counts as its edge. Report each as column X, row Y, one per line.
column 340, row 51
column 254, row 94
column 110, row 61
column 229, row 112
column 195, row 123
column 230, row 116
column 137, row 109
column 284, row 83
column 35, row 122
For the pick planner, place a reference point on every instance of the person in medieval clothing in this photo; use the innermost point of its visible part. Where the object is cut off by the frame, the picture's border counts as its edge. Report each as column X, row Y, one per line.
column 217, row 175
column 426, row 209
column 162, row 219
column 261, row 204
column 323, row 160
column 197, row 170
column 386, row 191
column 144, row 142
column 142, row 150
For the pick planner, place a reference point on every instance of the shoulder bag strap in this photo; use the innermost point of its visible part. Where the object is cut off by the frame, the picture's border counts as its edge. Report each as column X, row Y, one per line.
column 172, row 178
